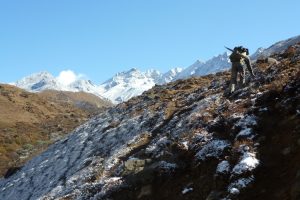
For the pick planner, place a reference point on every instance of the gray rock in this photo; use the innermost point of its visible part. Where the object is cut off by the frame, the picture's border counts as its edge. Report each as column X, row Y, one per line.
column 134, row 165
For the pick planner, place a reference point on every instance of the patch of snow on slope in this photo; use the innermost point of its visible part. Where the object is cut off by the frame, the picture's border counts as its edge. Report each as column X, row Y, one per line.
column 163, row 165
column 246, row 133
column 187, row 190
column 246, row 121
column 247, row 163
column 223, row 167
column 235, row 187
column 156, row 147
column 213, row 149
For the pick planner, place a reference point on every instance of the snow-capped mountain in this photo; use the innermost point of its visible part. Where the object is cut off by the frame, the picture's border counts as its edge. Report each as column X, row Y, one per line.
column 38, row 82
column 84, row 86
column 275, row 48
column 169, row 76
column 122, row 91
column 45, row 81
column 216, row 64
column 259, row 52
column 199, row 68
column 189, row 71
column 128, row 84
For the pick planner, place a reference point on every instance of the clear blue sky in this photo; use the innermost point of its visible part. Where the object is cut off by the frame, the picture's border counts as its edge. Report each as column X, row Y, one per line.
column 99, row 38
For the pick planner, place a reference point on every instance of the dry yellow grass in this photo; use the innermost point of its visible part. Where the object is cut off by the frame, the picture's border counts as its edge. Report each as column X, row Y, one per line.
column 29, row 122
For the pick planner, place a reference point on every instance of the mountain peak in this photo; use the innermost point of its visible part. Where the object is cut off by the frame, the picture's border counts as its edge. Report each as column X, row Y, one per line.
column 41, row 81
column 275, row 48
column 127, row 84
column 198, row 62
column 128, row 72
column 199, row 68
column 37, row 82
column 39, row 75
column 43, row 73
column 133, row 69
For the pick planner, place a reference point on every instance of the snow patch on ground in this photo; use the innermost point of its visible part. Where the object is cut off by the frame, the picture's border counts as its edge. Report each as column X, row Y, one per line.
column 237, row 116
column 247, row 121
column 187, row 190
column 235, row 187
column 223, row 167
column 247, row 163
column 246, row 133
column 167, row 166
column 185, row 145
column 213, row 149
column 156, row 148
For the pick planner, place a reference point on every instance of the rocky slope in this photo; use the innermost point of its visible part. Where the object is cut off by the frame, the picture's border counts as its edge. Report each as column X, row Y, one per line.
column 29, row 122
column 189, row 139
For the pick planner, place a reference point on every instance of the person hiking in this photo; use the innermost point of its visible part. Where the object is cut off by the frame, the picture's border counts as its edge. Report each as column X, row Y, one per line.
column 239, row 58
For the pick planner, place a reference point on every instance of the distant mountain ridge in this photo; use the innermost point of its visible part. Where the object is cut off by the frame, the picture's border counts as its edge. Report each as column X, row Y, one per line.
column 216, row 64
column 127, row 84
column 45, row 81
column 132, row 83
column 275, row 48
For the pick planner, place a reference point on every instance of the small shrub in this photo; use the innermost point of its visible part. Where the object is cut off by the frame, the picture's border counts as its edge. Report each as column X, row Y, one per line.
column 28, row 146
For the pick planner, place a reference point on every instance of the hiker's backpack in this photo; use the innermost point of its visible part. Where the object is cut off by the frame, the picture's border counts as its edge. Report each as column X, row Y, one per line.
column 236, row 54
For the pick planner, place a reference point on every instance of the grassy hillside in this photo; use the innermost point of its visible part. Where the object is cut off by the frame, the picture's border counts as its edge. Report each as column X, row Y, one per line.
column 29, row 122
column 82, row 100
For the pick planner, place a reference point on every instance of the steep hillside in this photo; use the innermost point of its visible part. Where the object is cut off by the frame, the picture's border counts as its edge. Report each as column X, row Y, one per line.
column 189, row 139
column 29, row 122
